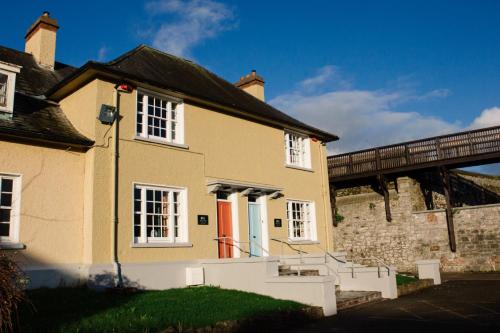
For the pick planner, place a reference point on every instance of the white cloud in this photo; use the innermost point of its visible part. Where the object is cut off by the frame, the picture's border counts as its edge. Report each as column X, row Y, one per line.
column 437, row 93
column 362, row 118
column 368, row 118
column 102, row 54
column 489, row 117
column 190, row 23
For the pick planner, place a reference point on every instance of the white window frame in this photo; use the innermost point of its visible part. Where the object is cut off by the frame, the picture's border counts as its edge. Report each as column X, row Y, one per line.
column 11, row 71
column 303, row 144
column 179, row 110
column 15, row 208
column 182, row 237
column 308, row 219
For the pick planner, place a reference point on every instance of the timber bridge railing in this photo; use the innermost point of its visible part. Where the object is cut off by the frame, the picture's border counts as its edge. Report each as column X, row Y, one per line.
column 454, row 150
column 443, row 152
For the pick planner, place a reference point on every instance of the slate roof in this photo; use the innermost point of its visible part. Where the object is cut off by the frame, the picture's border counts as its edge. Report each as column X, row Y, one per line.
column 146, row 64
column 39, row 119
column 34, row 117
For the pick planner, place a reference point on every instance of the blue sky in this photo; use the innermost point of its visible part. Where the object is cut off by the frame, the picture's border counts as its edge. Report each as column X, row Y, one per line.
column 373, row 72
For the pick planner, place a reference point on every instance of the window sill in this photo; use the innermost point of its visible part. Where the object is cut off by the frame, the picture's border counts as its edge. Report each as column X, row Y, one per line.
column 160, row 142
column 161, row 245
column 303, row 242
column 298, row 167
column 12, row 246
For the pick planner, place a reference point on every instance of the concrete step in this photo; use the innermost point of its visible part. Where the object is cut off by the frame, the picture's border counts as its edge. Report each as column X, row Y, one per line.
column 348, row 299
column 294, row 272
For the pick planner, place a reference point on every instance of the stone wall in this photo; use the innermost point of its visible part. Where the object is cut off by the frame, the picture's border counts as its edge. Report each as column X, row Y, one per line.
column 415, row 233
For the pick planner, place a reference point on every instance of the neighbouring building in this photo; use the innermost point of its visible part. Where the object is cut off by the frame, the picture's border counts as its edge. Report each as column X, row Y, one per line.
column 146, row 162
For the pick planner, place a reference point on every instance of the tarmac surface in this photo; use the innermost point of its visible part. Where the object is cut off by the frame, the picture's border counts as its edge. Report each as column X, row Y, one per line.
column 463, row 303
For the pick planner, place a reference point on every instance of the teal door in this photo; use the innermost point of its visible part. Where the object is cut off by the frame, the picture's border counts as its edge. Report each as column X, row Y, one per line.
column 255, row 225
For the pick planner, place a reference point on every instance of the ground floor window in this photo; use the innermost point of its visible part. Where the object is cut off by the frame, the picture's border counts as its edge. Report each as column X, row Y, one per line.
column 301, row 220
column 159, row 214
column 10, row 197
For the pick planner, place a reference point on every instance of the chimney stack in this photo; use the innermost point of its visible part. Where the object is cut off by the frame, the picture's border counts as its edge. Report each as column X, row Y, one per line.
column 252, row 84
column 40, row 40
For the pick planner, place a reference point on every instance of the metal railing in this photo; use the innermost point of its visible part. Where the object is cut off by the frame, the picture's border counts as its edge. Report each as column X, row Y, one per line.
column 286, row 241
column 380, row 263
column 441, row 149
column 231, row 242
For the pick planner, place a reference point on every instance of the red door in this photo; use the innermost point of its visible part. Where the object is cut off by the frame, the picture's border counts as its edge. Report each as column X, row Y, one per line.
column 224, row 224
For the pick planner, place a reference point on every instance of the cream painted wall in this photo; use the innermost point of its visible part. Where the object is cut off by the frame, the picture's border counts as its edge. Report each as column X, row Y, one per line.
column 42, row 44
column 51, row 201
column 220, row 146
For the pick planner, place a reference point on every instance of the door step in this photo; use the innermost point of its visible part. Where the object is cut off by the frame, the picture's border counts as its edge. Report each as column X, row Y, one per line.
column 285, row 270
column 348, row 299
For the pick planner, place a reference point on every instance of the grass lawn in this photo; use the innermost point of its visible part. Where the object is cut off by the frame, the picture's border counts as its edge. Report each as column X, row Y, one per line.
column 84, row 310
column 404, row 279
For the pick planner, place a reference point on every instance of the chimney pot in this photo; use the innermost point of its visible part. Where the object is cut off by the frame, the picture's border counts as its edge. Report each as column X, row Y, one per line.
column 252, row 84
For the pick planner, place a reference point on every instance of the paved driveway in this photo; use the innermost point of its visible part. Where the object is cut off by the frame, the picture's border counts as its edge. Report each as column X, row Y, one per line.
column 454, row 306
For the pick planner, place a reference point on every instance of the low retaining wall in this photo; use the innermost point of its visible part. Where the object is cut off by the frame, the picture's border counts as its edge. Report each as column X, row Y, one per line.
column 411, row 288
column 369, row 279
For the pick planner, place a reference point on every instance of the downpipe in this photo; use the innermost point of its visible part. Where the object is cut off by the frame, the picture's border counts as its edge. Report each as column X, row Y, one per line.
column 116, row 262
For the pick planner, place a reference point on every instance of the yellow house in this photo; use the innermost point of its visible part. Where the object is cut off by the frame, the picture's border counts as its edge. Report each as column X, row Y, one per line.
column 147, row 162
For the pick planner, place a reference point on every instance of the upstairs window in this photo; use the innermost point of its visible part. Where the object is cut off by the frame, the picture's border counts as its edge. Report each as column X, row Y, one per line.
column 160, row 118
column 159, row 214
column 10, row 195
column 297, row 150
column 7, row 86
column 3, row 89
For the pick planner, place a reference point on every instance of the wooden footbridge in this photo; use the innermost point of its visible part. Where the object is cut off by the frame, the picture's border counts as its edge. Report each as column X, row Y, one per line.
column 445, row 152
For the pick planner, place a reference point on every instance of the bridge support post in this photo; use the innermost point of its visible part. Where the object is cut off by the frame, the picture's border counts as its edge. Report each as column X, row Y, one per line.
column 383, row 186
column 445, row 177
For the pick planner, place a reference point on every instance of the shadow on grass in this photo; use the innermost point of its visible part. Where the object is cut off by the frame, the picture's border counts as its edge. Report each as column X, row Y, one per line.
column 55, row 309
column 50, row 310
column 84, row 310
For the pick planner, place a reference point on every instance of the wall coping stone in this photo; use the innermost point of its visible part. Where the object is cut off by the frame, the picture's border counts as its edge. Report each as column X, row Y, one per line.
column 456, row 208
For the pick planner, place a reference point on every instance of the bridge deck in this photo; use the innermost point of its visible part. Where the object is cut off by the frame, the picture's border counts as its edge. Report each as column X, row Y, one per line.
column 454, row 150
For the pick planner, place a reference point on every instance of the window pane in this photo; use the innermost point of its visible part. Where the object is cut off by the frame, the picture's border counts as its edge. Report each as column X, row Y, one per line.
column 3, row 89
column 149, row 195
column 4, row 229
column 137, row 206
column 7, row 185
column 6, row 200
column 137, row 231
column 4, row 215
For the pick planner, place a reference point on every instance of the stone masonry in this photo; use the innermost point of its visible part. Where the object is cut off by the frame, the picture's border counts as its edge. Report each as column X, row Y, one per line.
column 416, row 233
